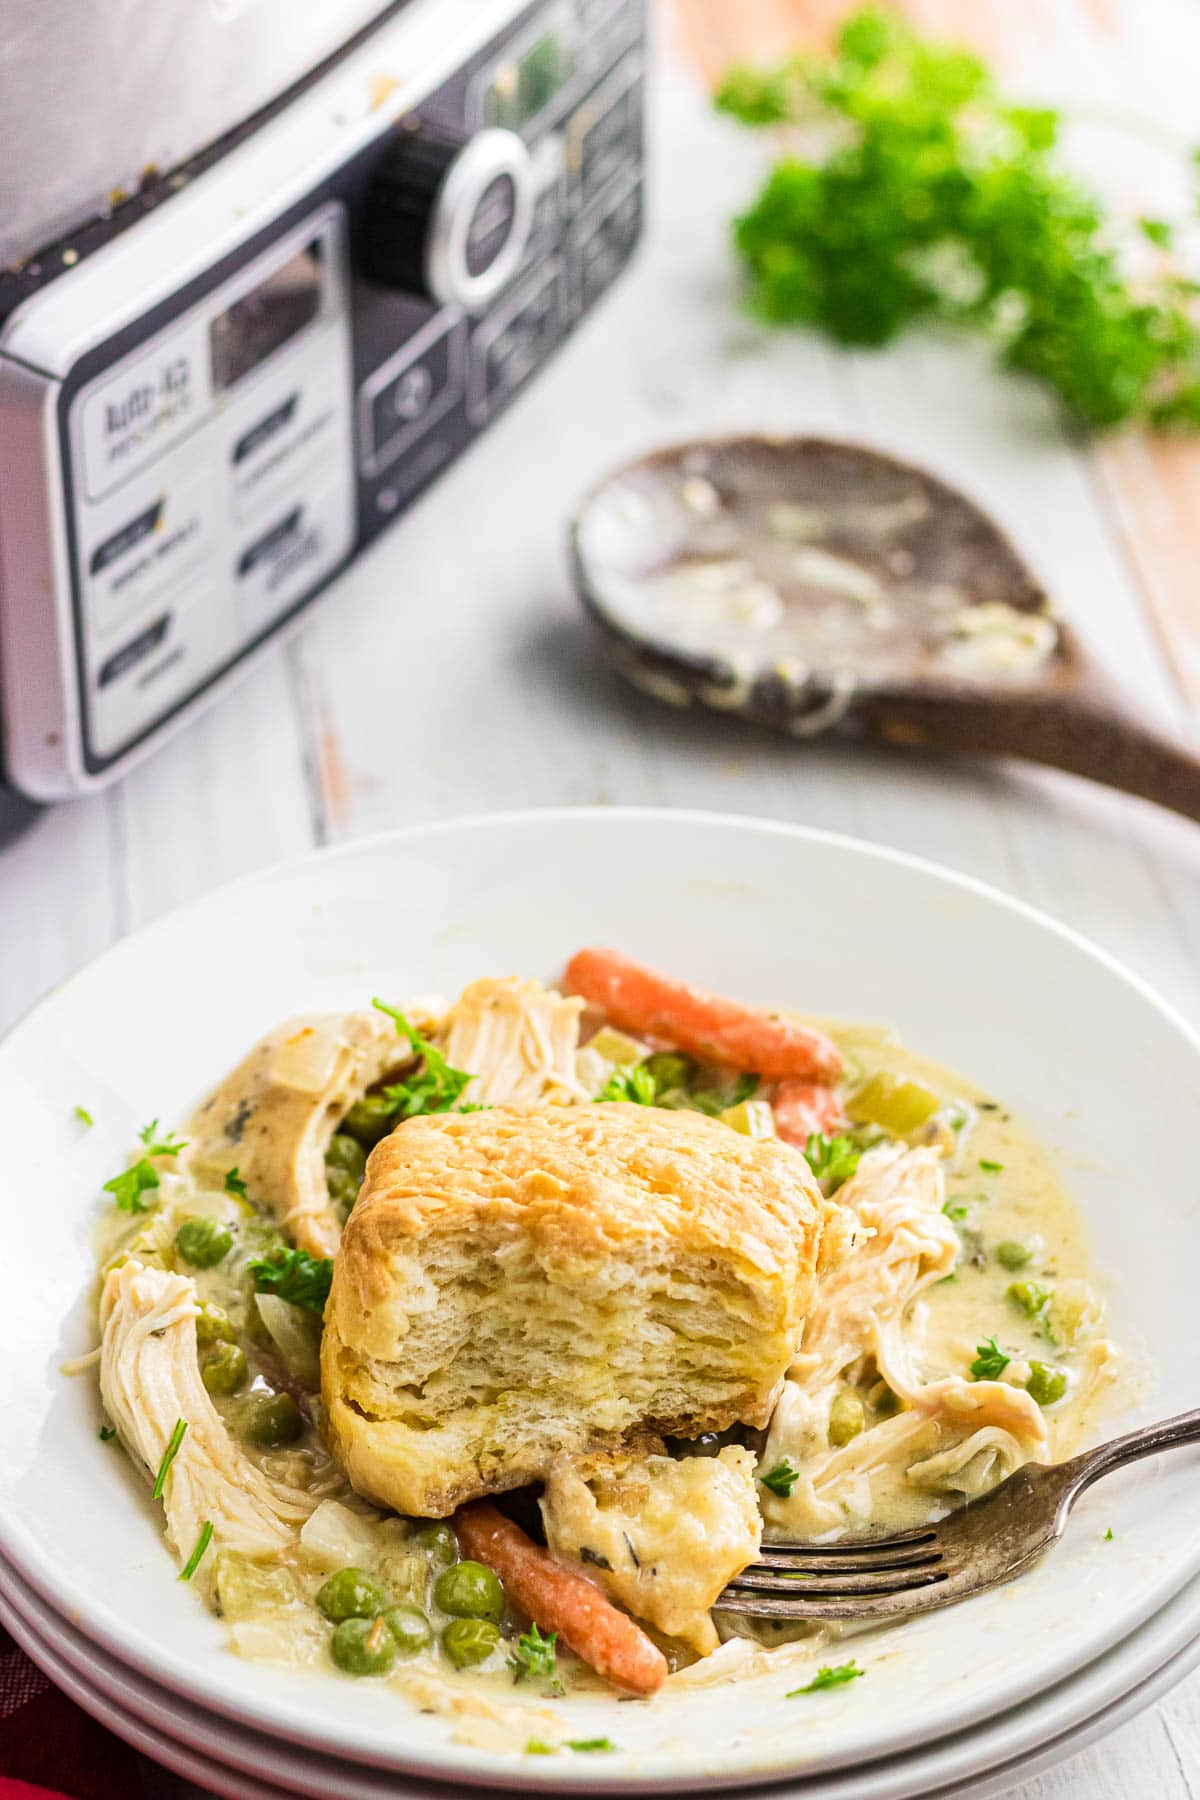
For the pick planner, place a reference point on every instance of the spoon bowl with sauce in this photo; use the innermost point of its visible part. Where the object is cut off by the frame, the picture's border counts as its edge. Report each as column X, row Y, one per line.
column 815, row 585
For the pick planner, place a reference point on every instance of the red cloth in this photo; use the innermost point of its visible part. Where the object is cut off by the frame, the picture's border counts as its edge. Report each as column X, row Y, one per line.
column 49, row 1748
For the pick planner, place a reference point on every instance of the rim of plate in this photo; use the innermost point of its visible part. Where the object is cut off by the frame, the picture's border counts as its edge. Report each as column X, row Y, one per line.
column 288, row 1719
column 141, row 1720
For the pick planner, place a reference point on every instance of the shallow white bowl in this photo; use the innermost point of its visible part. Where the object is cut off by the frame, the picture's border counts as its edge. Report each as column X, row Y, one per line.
column 1099, row 1067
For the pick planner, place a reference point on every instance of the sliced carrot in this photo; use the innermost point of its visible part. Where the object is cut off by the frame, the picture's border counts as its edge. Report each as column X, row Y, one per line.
column 715, row 1030
column 803, row 1107
column 561, row 1599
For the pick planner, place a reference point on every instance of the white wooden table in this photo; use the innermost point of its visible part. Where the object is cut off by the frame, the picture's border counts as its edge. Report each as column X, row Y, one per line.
column 449, row 673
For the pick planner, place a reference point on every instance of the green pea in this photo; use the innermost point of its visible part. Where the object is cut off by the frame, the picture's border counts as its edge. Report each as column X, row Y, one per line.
column 368, row 1120
column 269, row 1420
column 351, row 1594
column 1013, row 1255
column 203, row 1242
column 345, row 1166
column 223, row 1369
column 343, row 1192
column 669, row 1069
column 847, row 1417
column 346, row 1153
column 363, row 1646
column 213, row 1326
column 439, row 1544
column 469, row 1590
column 410, row 1628
column 1046, row 1384
column 470, row 1641
column 1030, row 1297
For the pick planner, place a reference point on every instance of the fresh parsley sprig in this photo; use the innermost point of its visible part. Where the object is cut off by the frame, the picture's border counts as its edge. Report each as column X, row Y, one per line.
column 830, row 1677
column 917, row 192
column 142, row 1177
column 295, row 1276
column 535, row 1658
column 636, row 1084
column 781, row 1479
column 832, row 1160
column 990, row 1361
column 436, row 1088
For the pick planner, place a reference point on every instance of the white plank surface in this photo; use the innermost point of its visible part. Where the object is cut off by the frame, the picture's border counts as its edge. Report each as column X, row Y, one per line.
column 450, row 673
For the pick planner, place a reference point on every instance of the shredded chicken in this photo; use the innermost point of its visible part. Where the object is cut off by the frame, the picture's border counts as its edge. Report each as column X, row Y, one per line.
column 954, row 1436
column 904, row 1242
column 517, row 1038
column 150, row 1379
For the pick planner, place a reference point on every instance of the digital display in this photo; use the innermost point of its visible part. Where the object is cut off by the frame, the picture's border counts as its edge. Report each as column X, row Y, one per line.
column 254, row 327
column 521, row 88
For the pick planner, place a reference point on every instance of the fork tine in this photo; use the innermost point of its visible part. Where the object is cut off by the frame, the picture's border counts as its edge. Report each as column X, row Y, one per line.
column 855, row 1546
column 798, row 1559
column 803, row 1607
column 831, row 1586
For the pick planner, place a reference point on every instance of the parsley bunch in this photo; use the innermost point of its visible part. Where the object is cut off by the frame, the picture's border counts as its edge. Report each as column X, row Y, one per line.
column 914, row 191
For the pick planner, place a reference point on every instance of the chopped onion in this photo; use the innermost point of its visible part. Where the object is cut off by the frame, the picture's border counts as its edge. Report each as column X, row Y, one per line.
column 296, row 1334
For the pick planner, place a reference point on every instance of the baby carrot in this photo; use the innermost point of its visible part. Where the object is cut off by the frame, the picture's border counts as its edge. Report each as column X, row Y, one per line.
column 804, row 1107
column 706, row 1026
column 561, row 1599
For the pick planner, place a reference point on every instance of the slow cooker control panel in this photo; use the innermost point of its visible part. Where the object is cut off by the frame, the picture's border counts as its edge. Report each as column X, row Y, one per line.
column 234, row 391
column 492, row 220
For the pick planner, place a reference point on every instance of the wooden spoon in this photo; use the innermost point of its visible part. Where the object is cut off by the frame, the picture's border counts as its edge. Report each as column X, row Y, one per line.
column 818, row 586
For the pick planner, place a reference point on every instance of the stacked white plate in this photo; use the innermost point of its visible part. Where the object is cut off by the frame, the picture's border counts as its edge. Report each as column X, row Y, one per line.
column 965, row 1700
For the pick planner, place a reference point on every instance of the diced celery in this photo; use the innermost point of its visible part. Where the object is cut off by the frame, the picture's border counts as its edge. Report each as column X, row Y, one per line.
column 616, row 1047
column 895, row 1102
column 753, row 1118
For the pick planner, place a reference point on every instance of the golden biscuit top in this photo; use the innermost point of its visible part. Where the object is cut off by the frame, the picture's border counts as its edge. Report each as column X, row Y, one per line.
column 583, row 1183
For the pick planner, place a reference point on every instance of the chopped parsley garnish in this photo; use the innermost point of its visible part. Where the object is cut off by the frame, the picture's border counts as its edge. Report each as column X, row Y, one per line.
column 436, row 1088
column 830, row 1677
column 156, row 1146
column 535, row 1658
column 781, row 1479
column 169, row 1454
column 235, row 1185
column 295, row 1276
column 84, row 1116
column 990, row 1168
column 990, row 1361
column 1108, row 1536
column 583, row 1744
column 107, row 1433
column 128, row 1187
column 637, row 1085
column 202, row 1542
column 141, row 1178
column 910, row 190
column 832, row 1159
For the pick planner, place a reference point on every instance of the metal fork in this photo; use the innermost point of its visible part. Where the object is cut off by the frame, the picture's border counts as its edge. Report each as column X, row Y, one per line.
column 978, row 1547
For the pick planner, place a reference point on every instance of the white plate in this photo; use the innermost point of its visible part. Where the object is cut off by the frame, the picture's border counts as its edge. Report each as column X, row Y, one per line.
column 1160, row 1654
column 1097, row 1065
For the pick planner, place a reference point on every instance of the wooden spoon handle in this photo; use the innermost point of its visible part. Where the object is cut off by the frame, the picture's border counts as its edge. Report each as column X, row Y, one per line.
column 1065, row 731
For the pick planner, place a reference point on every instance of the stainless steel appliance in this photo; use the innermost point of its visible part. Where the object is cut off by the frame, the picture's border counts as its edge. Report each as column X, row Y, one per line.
column 215, row 391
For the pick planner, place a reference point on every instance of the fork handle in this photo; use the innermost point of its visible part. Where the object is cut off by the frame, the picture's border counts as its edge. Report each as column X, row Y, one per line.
column 1083, row 1470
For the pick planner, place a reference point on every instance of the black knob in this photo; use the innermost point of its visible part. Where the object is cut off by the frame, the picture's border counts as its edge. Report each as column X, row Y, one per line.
column 448, row 217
